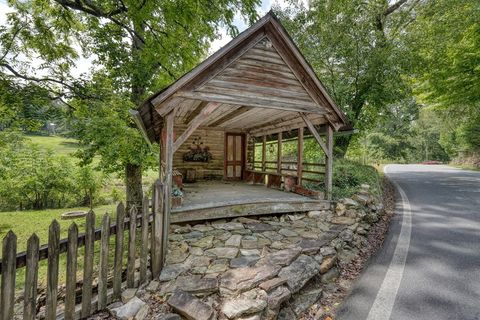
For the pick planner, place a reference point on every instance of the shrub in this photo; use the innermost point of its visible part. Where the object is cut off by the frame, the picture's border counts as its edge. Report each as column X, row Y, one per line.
column 349, row 175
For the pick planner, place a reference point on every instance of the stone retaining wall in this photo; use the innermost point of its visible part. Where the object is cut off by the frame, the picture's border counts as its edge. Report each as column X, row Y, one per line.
column 266, row 268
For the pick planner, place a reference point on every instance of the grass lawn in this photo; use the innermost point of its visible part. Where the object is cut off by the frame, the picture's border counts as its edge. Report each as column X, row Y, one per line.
column 61, row 146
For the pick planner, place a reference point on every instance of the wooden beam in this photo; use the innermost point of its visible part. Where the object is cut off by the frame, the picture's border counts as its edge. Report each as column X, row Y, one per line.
column 193, row 113
column 168, row 106
column 194, row 124
column 315, row 133
column 279, row 153
column 264, row 152
column 167, row 183
column 300, row 156
column 329, row 166
column 230, row 116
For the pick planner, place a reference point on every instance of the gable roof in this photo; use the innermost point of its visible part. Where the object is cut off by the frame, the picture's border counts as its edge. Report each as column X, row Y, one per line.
column 260, row 68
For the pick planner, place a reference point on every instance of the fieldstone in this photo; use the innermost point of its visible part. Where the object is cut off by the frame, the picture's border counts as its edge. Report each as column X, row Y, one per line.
column 143, row 312
column 304, row 300
column 309, row 246
column 299, row 272
column 234, row 241
column 371, row 218
column 314, row 214
column 243, row 279
column 340, row 209
column 330, row 276
column 278, row 245
column 175, row 237
column 309, row 234
column 128, row 294
column 299, row 224
column 318, row 258
column 249, row 252
column 251, row 317
column 153, row 286
column 271, row 284
column 260, row 227
column 196, row 251
column 343, row 220
column 190, row 307
column 328, row 251
column 272, row 235
column 202, row 227
column 199, row 261
column 246, row 220
column 281, row 258
column 295, row 217
column 191, row 236
column 346, row 235
column 129, row 310
column 327, row 264
column 362, row 198
column 287, row 232
column 237, row 307
column 277, row 297
column 215, row 268
column 286, row 314
column 222, row 252
column 176, row 256
column 168, row 316
column 244, row 261
column 172, row 271
column 228, row 226
column 249, row 242
column 205, row 242
column 349, row 202
column 196, row 284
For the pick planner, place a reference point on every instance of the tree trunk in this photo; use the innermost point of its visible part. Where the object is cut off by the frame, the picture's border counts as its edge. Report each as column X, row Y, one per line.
column 133, row 182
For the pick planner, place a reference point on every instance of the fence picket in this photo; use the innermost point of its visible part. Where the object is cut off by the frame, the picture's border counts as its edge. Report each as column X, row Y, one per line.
column 88, row 265
column 7, row 296
column 71, row 280
column 52, row 270
column 117, row 273
column 31, row 278
column 144, row 242
column 157, row 230
column 131, row 248
column 102, row 281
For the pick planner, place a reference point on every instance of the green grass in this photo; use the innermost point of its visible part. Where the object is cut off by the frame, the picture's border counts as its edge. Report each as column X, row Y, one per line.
column 60, row 145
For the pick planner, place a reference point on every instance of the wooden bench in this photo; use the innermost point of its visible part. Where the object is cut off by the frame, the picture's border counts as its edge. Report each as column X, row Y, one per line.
column 274, row 180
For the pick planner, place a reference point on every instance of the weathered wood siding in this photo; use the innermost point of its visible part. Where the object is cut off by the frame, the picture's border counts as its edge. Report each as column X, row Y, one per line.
column 215, row 140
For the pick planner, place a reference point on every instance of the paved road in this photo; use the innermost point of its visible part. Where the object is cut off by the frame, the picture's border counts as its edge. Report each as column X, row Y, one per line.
column 429, row 266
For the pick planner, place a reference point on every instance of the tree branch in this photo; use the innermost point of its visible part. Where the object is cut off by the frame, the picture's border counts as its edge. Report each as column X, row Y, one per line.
column 394, row 7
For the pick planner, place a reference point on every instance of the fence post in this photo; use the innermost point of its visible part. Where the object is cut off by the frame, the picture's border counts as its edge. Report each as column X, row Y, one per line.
column 88, row 264
column 52, row 270
column 9, row 255
column 131, row 248
column 117, row 273
column 71, row 281
column 157, row 229
column 144, row 242
column 31, row 278
column 102, row 279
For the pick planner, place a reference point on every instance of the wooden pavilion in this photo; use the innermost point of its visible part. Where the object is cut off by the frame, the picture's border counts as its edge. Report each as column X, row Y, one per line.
column 216, row 121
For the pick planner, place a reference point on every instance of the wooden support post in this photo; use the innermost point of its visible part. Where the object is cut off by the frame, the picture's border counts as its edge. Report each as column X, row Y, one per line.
column 300, row 156
column 31, row 277
column 279, row 153
column 144, row 242
column 264, row 152
column 167, row 183
column 329, row 164
column 156, row 246
column 131, row 248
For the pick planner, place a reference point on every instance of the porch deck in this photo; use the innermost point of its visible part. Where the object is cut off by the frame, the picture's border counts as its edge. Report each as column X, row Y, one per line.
column 224, row 199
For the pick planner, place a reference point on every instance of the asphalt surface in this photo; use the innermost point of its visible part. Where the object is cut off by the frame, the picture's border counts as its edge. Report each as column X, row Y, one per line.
column 440, row 275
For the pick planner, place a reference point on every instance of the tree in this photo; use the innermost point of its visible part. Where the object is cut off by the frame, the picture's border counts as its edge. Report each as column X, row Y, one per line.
column 139, row 46
column 353, row 47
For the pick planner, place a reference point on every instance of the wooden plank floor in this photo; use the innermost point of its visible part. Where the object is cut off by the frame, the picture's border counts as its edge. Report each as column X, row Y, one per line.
column 222, row 199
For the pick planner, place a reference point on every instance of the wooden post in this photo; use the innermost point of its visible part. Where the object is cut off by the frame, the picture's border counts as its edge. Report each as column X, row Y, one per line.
column 131, row 248
column 102, row 279
column 144, row 242
column 71, row 281
column 9, row 254
column 264, row 152
column 167, row 183
column 300, row 156
column 117, row 268
column 156, row 246
column 52, row 270
column 329, row 164
column 88, row 264
column 279, row 153
column 31, row 277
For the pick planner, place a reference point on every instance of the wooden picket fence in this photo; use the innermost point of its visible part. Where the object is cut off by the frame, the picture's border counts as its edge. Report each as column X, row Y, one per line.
column 153, row 225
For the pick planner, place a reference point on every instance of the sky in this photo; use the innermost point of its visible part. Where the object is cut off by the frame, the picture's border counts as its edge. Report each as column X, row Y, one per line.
column 85, row 63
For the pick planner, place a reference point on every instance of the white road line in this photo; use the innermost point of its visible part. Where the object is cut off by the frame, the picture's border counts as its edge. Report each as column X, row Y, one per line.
column 383, row 305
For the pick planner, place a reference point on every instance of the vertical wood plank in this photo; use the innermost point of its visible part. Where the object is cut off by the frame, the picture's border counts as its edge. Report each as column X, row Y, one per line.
column 264, row 152
column 31, row 278
column 279, row 153
column 52, row 270
column 300, row 156
column 9, row 254
column 144, row 242
column 71, row 280
column 131, row 248
column 329, row 164
column 88, row 265
column 157, row 229
column 117, row 268
column 167, row 184
column 102, row 280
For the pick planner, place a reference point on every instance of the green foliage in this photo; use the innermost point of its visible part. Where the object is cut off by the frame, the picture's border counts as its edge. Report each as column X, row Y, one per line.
column 349, row 175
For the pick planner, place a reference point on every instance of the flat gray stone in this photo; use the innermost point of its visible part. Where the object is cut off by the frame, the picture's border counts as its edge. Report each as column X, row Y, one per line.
column 312, row 245
column 287, row 232
column 260, row 227
column 237, row 307
column 172, row 271
column 304, row 300
column 277, row 297
column 129, row 310
column 330, row 276
column 205, row 242
column 243, row 279
column 249, row 252
column 281, row 257
column 128, row 294
column 244, row 261
column 234, row 241
column 286, row 314
column 190, row 307
column 299, row 272
column 229, row 226
column 168, row 316
column 222, row 252
column 271, row 284
column 196, row 284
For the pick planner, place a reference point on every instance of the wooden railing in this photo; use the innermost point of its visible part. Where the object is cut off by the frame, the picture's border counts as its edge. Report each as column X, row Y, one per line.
column 150, row 224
